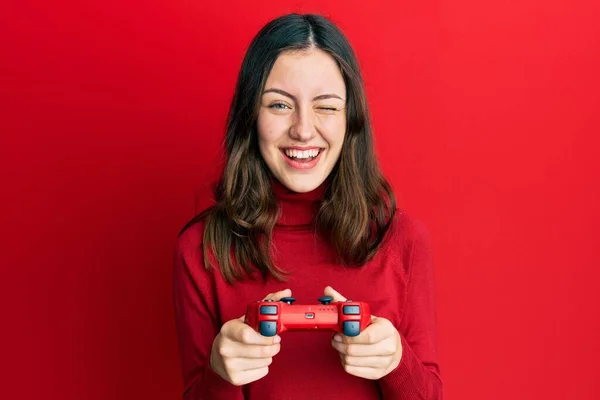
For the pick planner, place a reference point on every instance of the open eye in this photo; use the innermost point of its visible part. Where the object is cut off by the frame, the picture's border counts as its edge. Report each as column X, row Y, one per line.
column 279, row 106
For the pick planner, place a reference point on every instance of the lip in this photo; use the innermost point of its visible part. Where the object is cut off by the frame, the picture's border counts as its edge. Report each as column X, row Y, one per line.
column 302, row 148
column 301, row 165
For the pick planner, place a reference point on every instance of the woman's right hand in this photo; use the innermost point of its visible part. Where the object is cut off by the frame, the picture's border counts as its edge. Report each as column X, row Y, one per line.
column 241, row 355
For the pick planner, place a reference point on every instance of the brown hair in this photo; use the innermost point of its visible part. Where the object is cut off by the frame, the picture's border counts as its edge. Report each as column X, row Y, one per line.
column 358, row 204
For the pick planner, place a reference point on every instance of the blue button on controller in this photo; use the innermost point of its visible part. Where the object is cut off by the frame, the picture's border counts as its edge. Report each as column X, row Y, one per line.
column 268, row 310
column 351, row 328
column 351, row 310
column 268, row 328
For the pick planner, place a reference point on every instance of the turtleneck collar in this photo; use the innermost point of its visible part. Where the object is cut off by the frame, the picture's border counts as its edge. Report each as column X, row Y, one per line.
column 297, row 210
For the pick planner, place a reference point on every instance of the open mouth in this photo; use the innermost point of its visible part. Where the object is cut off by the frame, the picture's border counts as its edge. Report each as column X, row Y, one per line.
column 303, row 156
column 302, row 160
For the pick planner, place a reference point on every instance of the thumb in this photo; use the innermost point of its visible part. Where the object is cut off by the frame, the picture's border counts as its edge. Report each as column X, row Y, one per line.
column 278, row 295
column 271, row 296
column 329, row 291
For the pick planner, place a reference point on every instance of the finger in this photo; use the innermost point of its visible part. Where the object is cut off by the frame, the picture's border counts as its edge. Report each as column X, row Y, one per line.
column 278, row 295
column 248, row 376
column 329, row 291
column 371, row 362
column 380, row 349
column 246, row 364
column 376, row 332
column 363, row 372
column 232, row 349
column 237, row 331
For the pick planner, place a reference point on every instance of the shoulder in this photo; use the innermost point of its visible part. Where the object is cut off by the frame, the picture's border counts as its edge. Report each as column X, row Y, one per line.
column 188, row 245
column 191, row 234
column 193, row 231
column 408, row 230
column 409, row 242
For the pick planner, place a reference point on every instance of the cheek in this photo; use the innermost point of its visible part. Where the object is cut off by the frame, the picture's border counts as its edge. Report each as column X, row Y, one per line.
column 334, row 132
column 269, row 129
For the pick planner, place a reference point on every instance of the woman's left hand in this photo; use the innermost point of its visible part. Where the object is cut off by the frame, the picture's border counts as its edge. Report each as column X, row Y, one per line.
column 374, row 353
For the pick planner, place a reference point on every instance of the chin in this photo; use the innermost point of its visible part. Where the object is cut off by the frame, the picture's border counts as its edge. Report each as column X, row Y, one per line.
column 302, row 184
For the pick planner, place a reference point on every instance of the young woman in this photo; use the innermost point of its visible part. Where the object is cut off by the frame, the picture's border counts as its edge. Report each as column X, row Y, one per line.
column 302, row 209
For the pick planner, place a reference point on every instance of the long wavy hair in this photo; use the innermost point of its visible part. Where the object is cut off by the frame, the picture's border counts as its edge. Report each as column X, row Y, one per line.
column 358, row 205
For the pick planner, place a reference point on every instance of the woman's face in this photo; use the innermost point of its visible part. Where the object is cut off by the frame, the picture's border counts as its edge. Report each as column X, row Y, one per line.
column 302, row 118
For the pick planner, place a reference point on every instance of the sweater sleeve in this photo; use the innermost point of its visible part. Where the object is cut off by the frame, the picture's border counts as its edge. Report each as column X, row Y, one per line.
column 197, row 323
column 417, row 376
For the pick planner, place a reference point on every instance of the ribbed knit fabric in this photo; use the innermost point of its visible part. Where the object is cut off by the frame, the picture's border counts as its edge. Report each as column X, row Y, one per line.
column 398, row 284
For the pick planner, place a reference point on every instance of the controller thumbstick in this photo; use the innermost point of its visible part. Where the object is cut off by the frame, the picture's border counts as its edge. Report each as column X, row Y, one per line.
column 288, row 300
column 325, row 300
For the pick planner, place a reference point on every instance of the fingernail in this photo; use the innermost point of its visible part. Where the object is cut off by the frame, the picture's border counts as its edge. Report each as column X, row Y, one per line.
column 277, row 339
column 337, row 338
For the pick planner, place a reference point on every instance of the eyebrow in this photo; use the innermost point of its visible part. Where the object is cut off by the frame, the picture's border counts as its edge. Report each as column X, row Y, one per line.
column 319, row 97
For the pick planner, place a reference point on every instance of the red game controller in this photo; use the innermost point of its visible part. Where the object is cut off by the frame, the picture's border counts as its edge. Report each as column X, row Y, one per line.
column 273, row 317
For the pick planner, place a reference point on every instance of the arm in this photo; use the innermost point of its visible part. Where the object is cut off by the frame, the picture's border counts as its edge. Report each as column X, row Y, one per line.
column 197, row 325
column 417, row 376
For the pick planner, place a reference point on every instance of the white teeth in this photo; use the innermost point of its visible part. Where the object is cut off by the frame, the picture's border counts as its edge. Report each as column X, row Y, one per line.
column 301, row 154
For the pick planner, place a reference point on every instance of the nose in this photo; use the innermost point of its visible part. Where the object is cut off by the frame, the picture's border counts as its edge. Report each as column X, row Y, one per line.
column 303, row 128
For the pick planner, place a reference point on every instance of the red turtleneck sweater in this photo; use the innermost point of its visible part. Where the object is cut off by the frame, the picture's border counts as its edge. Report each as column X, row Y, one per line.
column 398, row 284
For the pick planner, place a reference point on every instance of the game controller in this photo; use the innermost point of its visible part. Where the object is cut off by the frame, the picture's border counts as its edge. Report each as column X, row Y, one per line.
column 270, row 318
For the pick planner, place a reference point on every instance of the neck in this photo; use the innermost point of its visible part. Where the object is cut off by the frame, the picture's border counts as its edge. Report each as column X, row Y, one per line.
column 297, row 210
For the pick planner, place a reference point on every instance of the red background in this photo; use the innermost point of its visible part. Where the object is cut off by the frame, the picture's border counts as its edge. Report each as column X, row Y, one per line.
column 486, row 117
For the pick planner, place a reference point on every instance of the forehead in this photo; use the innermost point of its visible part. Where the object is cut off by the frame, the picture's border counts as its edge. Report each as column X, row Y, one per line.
column 308, row 71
